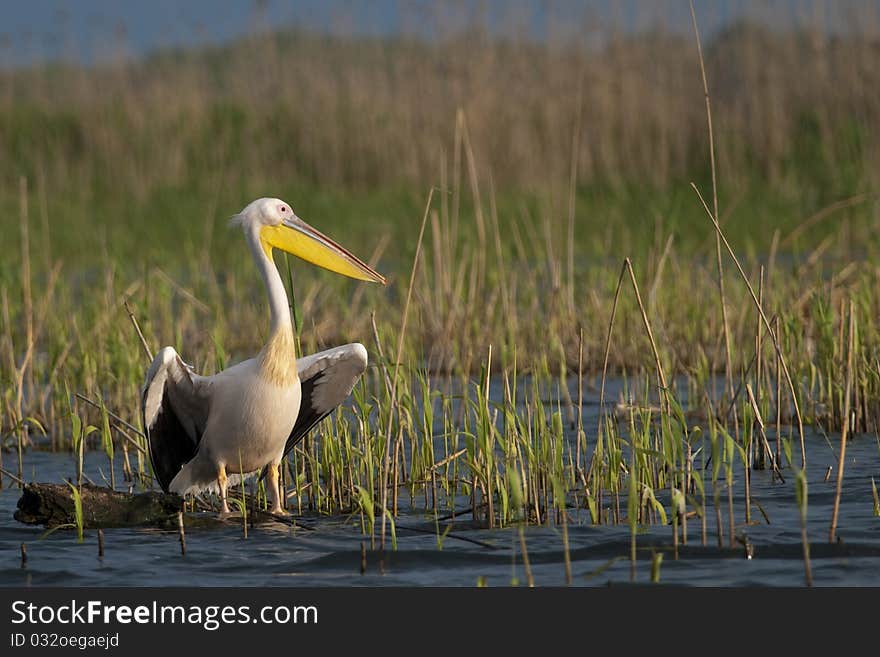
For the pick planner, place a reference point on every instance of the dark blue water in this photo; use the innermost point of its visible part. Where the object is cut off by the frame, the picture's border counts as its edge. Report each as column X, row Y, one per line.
column 327, row 550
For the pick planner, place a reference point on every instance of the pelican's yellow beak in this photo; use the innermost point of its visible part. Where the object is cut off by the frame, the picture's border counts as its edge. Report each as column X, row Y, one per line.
column 298, row 238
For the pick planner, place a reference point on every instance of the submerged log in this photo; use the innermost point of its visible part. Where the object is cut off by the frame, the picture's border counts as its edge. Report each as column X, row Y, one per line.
column 52, row 505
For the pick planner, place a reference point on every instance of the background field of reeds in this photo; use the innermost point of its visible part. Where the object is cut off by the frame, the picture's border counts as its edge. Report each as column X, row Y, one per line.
column 551, row 162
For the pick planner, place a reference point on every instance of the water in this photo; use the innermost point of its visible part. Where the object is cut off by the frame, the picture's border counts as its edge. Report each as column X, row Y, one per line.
column 326, row 551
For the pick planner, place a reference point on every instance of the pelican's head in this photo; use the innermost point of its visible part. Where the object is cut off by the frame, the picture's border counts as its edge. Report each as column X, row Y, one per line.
column 275, row 224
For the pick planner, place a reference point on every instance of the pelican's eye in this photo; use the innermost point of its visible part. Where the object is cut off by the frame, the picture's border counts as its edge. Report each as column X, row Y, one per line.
column 282, row 209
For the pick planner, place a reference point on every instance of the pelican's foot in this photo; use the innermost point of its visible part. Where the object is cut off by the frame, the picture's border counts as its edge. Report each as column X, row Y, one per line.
column 224, row 510
column 278, row 511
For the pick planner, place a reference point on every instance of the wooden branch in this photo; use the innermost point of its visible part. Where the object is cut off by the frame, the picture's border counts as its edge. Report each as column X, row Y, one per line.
column 52, row 505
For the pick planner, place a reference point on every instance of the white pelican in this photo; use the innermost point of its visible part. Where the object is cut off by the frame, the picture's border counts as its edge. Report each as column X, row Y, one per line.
column 201, row 429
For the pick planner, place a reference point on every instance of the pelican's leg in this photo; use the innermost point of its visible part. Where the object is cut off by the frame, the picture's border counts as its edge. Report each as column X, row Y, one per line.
column 221, row 482
column 273, row 489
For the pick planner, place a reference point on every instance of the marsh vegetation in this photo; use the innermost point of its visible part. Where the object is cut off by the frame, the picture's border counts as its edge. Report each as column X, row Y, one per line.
column 532, row 204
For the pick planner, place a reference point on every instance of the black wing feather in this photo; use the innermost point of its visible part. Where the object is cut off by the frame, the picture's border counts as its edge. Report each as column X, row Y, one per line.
column 177, row 447
column 174, row 409
column 308, row 416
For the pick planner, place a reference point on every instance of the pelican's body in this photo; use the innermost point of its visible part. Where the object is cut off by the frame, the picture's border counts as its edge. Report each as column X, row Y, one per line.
column 245, row 418
column 248, row 424
column 271, row 414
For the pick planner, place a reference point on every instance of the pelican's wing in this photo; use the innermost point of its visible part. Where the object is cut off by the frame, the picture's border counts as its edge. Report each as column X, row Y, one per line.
column 327, row 378
column 174, row 403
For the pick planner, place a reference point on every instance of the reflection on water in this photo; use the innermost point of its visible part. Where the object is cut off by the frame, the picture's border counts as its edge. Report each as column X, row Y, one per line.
column 327, row 550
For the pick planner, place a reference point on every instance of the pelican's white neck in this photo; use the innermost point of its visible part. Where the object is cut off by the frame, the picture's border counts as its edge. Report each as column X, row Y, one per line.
column 278, row 357
column 278, row 304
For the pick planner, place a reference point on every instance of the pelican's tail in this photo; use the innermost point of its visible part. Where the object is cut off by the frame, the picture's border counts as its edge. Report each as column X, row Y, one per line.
column 197, row 477
column 194, row 477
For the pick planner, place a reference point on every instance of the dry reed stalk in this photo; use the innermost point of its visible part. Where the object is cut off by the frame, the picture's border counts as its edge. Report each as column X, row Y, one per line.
column 490, row 504
column 581, row 438
column 503, row 278
column 664, row 386
column 46, row 247
column 818, row 216
column 117, row 420
column 658, row 273
column 137, row 329
column 45, row 304
column 26, row 268
column 126, row 464
column 8, row 336
column 181, row 534
column 182, row 290
column 719, row 519
column 572, row 188
column 771, row 258
column 393, row 399
column 845, row 421
column 607, row 352
column 685, row 488
column 731, row 521
column 765, row 443
column 564, row 392
column 478, row 201
column 440, row 230
column 759, row 355
column 704, row 521
column 447, row 460
column 456, row 176
column 373, row 260
column 776, row 345
column 778, row 398
column 17, row 480
column 21, row 427
column 724, row 323
column 382, row 360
